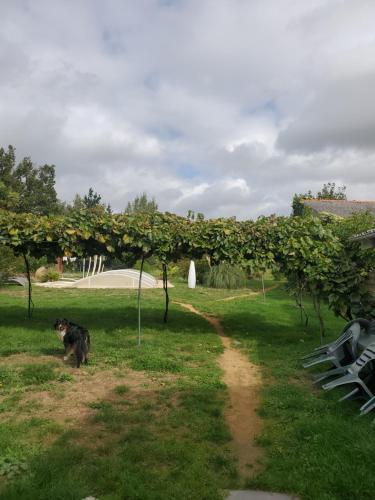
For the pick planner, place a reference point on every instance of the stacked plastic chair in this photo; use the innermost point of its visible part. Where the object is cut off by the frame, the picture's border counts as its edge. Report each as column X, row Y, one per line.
column 353, row 373
column 348, row 366
column 341, row 351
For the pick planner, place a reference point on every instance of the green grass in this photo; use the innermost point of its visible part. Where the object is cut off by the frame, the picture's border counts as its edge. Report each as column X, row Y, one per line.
column 168, row 442
column 315, row 447
column 172, row 441
column 121, row 389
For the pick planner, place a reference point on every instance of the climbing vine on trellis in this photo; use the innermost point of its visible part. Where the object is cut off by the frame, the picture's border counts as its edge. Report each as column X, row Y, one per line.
column 307, row 250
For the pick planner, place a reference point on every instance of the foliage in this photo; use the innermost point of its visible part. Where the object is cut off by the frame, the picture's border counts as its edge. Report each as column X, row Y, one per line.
column 141, row 204
column 328, row 192
column 315, row 255
column 191, row 216
column 50, row 275
column 11, row 467
column 9, row 264
column 355, row 224
column 226, row 275
column 307, row 253
column 25, row 187
column 349, row 295
column 317, row 258
column 90, row 200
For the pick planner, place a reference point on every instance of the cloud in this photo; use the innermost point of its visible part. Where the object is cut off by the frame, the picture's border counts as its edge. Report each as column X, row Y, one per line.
column 226, row 107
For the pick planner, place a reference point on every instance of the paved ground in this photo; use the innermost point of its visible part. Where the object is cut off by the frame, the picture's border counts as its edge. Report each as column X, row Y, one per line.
column 258, row 495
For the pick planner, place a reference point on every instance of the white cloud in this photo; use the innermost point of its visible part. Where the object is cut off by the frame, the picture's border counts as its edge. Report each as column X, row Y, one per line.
column 223, row 106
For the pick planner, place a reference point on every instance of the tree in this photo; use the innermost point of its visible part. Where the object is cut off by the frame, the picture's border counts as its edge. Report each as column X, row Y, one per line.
column 90, row 200
column 26, row 188
column 328, row 192
column 141, row 204
column 191, row 216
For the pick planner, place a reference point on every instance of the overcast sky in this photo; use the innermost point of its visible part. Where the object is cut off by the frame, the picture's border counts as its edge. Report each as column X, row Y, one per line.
column 226, row 107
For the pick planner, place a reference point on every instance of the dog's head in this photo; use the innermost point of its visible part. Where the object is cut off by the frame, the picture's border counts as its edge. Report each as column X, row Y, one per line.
column 61, row 324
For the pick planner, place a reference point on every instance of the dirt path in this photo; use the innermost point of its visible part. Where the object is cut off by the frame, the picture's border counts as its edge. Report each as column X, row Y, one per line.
column 248, row 294
column 243, row 380
column 241, row 296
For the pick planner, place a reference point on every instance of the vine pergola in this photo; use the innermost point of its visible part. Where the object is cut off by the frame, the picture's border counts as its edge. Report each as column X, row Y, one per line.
column 303, row 248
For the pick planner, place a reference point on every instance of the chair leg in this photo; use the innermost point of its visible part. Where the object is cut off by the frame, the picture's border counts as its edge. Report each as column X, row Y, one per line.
column 350, row 378
column 368, row 406
column 329, row 373
column 365, row 388
column 320, row 359
column 349, row 395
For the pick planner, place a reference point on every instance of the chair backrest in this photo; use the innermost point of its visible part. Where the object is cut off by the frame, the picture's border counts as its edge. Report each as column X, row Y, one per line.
column 357, row 332
column 344, row 337
column 367, row 356
column 367, row 328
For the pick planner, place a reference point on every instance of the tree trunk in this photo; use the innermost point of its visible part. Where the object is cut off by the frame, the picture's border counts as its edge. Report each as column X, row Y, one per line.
column 59, row 265
column 299, row 301
column 316, row 302
column 263, row 288
column 30, row 301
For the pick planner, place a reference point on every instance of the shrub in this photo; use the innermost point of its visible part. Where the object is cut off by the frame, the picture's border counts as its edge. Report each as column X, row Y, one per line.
column 9, row 264
column 226, row 276
column 50, row 275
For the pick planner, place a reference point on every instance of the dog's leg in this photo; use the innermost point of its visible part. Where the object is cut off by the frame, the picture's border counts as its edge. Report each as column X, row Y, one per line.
column 68, row 352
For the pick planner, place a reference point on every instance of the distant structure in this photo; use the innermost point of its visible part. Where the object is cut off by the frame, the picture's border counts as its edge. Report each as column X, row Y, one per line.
column 342, row 208
column 367, row 239
column 119, row 278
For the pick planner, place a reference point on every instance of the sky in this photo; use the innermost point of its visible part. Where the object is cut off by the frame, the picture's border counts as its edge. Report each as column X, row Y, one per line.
column 226, row 107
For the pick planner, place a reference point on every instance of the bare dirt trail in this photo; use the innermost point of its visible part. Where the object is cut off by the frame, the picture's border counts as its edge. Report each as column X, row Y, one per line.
column 243, row 381
column 247, row 294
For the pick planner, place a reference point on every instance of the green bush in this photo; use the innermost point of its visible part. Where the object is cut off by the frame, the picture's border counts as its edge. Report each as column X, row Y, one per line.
column 9, row 264
column 226, row 276
column 50, row 275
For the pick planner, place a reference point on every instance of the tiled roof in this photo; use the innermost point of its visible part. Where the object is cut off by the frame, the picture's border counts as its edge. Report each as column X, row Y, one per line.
column 343, row 208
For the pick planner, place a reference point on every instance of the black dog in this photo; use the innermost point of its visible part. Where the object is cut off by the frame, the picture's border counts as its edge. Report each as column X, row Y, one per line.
column 76, row 340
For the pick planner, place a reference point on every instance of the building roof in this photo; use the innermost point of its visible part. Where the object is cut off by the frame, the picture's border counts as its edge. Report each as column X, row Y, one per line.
column 343, row 208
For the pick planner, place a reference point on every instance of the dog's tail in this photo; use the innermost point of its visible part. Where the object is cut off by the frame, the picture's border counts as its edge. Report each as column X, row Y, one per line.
column 82, row 348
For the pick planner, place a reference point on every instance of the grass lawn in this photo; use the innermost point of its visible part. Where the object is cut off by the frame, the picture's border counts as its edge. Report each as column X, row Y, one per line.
column 148, row 422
